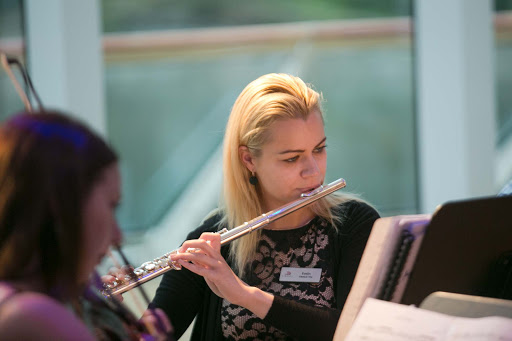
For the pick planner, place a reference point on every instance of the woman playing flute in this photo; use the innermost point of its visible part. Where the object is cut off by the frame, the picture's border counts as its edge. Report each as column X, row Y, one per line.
column 289, row 280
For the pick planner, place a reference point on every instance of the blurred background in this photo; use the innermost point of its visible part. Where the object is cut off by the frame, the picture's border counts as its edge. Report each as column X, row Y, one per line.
column 417, row 94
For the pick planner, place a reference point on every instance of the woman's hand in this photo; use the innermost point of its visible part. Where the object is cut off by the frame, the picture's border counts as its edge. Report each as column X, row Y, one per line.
column 202, row 256
column 114, row 276
column 157, row 323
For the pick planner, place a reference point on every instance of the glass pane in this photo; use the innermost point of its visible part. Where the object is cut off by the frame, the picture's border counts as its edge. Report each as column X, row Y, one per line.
column 173, row 71
column 133, row 15
column 370, row 119
column 504, row 68
column 503, row 79
column 11, row 33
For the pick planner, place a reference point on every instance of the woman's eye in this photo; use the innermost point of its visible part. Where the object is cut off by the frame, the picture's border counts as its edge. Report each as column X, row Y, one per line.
column 292, row 159
column 320, row 149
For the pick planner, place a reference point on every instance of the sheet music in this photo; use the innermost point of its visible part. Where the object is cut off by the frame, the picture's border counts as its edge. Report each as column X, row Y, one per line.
column 375, row 264
column 481, row 329
column 366, row 284
column 386, row 321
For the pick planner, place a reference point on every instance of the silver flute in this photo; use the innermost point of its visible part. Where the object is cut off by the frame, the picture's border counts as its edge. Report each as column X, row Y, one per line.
column 149, row 270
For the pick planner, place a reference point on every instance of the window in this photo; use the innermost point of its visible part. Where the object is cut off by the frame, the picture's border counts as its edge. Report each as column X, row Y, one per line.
column 174, row 69
column 503, row 79
column 11, row 43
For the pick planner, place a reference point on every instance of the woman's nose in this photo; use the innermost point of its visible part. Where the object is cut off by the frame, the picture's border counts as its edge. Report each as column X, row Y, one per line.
column 310, row 167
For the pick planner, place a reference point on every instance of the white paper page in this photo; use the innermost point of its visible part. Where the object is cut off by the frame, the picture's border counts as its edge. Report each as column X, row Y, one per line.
column 492, row 328
column 385, row 321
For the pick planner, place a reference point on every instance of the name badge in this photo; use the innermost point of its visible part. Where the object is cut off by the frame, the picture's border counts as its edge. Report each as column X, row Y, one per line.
column 310, row 275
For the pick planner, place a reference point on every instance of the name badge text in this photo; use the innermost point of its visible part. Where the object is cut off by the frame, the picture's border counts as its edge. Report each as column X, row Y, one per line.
column 310, row 275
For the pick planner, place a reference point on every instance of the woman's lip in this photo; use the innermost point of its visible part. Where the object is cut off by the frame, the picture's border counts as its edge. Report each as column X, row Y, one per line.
column 308, row 189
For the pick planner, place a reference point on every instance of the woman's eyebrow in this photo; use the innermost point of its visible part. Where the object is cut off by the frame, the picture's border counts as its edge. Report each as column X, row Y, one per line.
column 323, row 140
column 301, row 150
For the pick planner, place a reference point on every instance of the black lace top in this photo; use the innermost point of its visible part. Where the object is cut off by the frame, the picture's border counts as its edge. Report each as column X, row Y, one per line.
column 304, row 247
column 302, row 311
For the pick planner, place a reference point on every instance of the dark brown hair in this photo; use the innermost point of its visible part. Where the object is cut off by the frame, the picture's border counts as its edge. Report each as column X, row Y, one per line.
column 49, row 163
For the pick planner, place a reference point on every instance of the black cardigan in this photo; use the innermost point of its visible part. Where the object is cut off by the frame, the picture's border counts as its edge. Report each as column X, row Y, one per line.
column 183, row 295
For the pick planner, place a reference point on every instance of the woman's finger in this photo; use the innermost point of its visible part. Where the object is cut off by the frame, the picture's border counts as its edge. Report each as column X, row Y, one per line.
column 195, row 268
column 198, row 259
column 213, row 238
column 196, row 245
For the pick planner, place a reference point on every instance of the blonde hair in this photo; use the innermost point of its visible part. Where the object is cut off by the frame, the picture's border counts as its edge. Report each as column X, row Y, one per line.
column 269, row 98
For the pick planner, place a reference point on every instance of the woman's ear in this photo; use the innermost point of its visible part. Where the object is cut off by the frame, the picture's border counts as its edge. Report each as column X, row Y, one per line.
column 247, row 158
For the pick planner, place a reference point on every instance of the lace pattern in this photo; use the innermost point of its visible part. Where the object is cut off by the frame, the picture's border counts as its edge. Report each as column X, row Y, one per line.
column 304, row 247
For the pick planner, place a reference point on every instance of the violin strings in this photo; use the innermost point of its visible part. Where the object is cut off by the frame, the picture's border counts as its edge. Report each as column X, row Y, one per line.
column 151, row 307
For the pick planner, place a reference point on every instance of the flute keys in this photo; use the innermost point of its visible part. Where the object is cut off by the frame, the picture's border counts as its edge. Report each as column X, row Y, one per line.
column 111, row 285
column 174, row 265
column 149, row 267
column 162, row 262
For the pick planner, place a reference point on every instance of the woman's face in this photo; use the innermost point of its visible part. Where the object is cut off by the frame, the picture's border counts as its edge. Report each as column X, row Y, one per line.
column 292, row 161
column 100, row 225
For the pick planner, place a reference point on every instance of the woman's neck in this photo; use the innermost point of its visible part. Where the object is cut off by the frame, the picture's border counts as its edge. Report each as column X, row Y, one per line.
column 34, row 284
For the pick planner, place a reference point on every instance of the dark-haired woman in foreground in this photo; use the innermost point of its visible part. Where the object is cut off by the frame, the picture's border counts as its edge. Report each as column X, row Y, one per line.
column 59, row 188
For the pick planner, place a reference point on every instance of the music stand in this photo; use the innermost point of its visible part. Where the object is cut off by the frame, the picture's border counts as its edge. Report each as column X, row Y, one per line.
column 462, row 242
